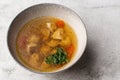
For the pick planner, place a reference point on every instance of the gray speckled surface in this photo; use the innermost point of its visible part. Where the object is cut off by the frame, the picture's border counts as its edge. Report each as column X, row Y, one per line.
column 101, row 59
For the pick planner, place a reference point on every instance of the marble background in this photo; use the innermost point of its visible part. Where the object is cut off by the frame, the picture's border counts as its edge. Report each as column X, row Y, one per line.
column 101, row 60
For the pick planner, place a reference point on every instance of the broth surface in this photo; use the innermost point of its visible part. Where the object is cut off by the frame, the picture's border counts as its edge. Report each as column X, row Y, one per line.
column 46, row 44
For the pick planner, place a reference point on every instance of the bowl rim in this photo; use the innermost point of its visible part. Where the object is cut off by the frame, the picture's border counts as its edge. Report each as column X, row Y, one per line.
column 35, row 71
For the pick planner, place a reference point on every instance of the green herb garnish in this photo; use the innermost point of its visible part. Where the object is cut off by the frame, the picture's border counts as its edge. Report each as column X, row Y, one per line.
column 60, row 57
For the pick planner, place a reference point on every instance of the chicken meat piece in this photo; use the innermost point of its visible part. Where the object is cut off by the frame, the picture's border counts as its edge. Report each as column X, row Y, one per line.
column 30, row 46
column 52, row 27
column 45, row 50
column 53, row 43
column 34, row 59
column 45, row 33
column 58, row 34
column 33, row 39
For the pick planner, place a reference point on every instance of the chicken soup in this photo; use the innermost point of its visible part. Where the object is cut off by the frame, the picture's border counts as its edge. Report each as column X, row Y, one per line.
column 46, row 44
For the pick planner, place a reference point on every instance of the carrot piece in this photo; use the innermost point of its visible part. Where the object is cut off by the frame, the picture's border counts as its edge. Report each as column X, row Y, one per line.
column 60, row 23
column 70, row 50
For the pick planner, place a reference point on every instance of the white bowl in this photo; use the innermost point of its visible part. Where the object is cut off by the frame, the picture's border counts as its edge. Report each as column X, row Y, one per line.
column 48, row 9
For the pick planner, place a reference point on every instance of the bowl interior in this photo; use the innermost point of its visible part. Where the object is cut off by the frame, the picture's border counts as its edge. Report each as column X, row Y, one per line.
column 53, row 10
